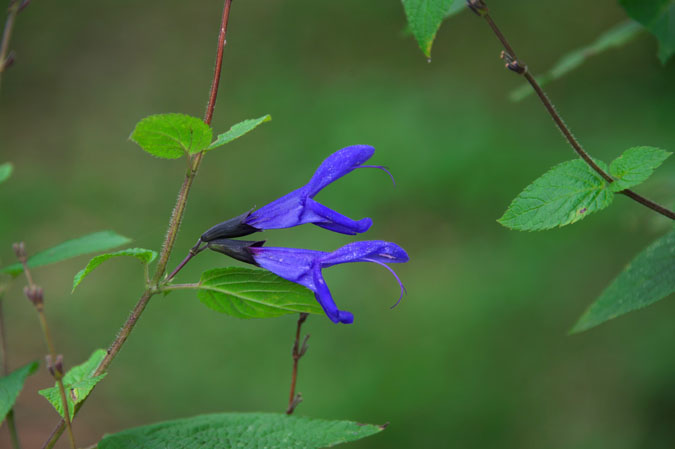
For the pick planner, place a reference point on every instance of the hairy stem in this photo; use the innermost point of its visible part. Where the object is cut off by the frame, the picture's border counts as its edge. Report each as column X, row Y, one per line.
column 480, row 8
column 298, row 352
column 174, row 225
column 7, row 34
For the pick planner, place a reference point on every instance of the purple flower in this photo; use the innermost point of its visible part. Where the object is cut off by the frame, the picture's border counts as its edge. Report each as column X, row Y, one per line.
column 299, row 206
column 303, row 266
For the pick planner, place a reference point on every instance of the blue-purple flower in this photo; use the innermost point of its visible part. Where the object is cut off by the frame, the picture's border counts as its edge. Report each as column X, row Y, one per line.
column 299, row 206
column 304, row 266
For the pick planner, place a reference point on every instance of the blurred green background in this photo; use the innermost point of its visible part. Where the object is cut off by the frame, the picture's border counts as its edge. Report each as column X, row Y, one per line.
column 476, row 355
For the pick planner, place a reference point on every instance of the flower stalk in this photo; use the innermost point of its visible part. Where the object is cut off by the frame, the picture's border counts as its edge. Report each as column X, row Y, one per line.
column 298, row 351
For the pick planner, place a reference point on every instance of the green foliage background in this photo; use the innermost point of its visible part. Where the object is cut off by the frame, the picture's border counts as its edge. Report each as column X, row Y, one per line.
column 476, row 356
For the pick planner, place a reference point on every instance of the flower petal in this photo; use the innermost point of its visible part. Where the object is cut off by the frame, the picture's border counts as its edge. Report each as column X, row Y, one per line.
column 337, row 165
column 284, row 212
column 367, row 251
column 327, row 218
column 325, row 298
column 292, row 264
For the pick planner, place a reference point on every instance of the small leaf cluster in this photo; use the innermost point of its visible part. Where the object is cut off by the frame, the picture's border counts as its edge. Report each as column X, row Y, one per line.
column 572, row 190
column 171, row 136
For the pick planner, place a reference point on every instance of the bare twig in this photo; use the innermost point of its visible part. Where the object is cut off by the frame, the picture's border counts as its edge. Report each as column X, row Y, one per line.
column 517, row 66
column 174, row 225
column 54, row 361
column 5, row 55
column 298, row 351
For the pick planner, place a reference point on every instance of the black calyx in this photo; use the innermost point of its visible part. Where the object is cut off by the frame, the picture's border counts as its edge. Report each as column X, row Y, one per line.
column 234, row 227
column 237, row 249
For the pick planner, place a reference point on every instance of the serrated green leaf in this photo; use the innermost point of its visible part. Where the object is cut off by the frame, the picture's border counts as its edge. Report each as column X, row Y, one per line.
column 171, row 136
column 11, row 385
column 240, row 430
column 647, row 279
column 424, row 19
column 78, row 382
column 98, row 241
column 635, row 165
column 251, row 293
column 5, row 171
column 564, row 195
column 612, row 38
column 238, row 130
column 144, row 255
column 657, row 16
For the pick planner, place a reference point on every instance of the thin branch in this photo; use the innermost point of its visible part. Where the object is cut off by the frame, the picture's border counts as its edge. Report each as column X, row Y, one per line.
column 54, row 361
column 298, row 352
column 12, row 12
column 512, row 63
column 174, row 225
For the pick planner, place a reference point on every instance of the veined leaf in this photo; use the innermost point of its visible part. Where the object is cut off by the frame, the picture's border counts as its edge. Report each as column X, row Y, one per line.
column 240, row 430
column 612, row 38
column 5, row 171
column 647, row 279
column 78, row 382
column 171, row 136
column 424, row 19
column 98, row 241
column 144, row 255
column 238, row 130
column 251, row 293
column 657, row 16
column 567, row 193
column 635, row 165
column 11, row 385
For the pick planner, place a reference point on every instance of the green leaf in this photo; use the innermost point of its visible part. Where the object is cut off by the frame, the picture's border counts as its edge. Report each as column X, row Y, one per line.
column 78, row 382
column 635, row 165
column 647, row 279
column 657, row 16
column 238, row 130
column 424, row 19
column 250, row 293
column 5, row 171
column 144, row 255
column 240, row 430
column 567, row 193
column 11, row 385
column 171, row 136
column 98, row 241
column 612, row 38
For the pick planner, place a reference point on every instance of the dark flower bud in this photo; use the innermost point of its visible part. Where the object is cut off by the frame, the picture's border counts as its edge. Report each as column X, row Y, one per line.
column 477, row 6
column 237, row 249
column 55, row 367
column 234, row 227
column 58, row 366
column 34, row 295
column 19, row 250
